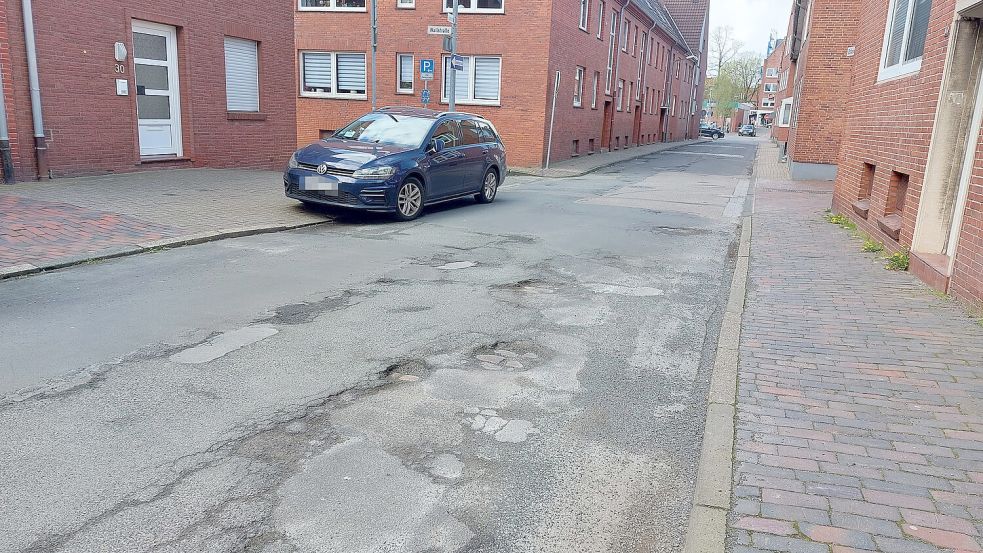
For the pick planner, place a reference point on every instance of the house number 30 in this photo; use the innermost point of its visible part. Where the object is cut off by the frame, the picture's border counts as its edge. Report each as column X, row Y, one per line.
column 120, row 68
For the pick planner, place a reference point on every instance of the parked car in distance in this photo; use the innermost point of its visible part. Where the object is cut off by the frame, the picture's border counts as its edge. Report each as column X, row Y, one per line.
column 711, row 131
column 398, row 160
column 746, row 130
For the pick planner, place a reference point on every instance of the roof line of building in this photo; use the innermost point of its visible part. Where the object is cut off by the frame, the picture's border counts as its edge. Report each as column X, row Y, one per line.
column 663, row 19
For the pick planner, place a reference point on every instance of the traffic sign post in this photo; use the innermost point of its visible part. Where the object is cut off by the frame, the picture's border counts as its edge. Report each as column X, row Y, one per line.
column 452, row 85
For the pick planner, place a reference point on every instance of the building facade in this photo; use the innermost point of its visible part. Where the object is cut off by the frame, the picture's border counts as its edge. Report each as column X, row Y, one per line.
column 911, row 165
column 622, row 73
column 127, row 85
column 771, row 70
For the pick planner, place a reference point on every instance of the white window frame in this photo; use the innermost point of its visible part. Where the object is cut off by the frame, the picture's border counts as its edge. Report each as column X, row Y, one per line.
column 584, row 15
column 771, row 72
column 625, row 32
column 578, row 87
column 771, row 87
column 399, row 68
column 612, row 51
column 405, row 4
column 621, row 94
column 333, row 7
column 593, row 96
column 786, row 105
column 472, row 67
column 473, row 9
column 767, row 103
column 255, row 76
column 334, row 77
column 902, row 68
column 600, row 18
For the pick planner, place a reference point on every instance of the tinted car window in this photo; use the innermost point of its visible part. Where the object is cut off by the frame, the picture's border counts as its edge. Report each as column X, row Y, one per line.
column 386, row 128
column 486, row 133
column 469, row 130
column 447, row 133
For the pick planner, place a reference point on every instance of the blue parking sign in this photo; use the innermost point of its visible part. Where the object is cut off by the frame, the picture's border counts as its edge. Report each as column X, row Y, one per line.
column 426, row 70
column 425, row 96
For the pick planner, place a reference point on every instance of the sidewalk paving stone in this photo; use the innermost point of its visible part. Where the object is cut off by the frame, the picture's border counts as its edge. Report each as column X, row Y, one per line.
column 65, row 220
column 860, row 394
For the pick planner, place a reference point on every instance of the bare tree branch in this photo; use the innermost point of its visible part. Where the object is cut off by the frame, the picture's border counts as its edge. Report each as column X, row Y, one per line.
column 723, row 47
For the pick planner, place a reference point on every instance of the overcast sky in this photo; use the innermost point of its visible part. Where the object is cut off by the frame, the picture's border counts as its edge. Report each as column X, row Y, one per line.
column 752, row 20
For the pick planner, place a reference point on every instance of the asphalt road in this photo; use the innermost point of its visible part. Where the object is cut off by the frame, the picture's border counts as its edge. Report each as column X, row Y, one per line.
column 529, row 375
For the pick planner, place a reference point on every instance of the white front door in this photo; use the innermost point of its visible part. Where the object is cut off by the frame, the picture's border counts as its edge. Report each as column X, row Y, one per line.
column 158, row 93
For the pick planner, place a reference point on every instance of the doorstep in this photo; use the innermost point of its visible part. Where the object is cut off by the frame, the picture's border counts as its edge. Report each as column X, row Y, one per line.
column 930, row 268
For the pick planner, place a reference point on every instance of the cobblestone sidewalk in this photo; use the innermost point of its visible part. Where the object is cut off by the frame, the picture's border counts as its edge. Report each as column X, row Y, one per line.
column 860, row 397
column 64, row 220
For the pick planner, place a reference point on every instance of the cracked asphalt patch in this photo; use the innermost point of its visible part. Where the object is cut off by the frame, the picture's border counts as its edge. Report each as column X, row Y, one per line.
column 547, row 396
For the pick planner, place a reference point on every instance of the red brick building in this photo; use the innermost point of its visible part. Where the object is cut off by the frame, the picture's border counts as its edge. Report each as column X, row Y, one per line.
column 127, row 85
column 822, row 43
column 771, row 69
column 624, row 71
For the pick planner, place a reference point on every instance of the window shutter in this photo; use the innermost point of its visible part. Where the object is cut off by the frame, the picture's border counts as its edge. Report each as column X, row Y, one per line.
column 241, row 74
column 351, row 73
column 919, row 28
column 405, row 72
column 317, row 71
column 898, row 22
column 486, row 78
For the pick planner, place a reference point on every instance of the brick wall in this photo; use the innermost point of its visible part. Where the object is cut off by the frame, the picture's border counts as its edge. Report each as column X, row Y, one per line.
column 529, row 69
column 92, row 130
column 966, row 281
column 889, row 124
column 823, row 78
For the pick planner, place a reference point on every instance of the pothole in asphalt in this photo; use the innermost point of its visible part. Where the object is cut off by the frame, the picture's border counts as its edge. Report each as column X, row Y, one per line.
column 408, row 370
column 302, row 313
column 637, row 291
column 509, row 356
column 488, row 421
column 528, row 285
column 454, row 265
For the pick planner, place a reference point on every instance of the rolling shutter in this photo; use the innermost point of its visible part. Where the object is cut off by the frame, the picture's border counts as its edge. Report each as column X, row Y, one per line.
column 351, row 73
column 487, row 72
column 919, row 28
column 405, row 72
column 317, row 72
column 898, row 22
column 241, row 74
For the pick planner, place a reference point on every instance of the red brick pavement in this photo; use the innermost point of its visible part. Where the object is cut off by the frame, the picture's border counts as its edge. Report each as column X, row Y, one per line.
column 35, row 231
column 860, row 399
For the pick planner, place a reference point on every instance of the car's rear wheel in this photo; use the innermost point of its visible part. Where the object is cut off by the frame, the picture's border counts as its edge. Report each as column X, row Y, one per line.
column 409, row 200
column 489, row 188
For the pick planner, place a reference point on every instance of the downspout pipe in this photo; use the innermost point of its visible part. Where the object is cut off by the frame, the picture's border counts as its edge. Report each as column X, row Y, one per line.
column 40, row 147
column 5, row 157
column 667, row 93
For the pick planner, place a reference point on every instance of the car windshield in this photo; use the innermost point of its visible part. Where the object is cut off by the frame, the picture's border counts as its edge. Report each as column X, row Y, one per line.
column 387, row 128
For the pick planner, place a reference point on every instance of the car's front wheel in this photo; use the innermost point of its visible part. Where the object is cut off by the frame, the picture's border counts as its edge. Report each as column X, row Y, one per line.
column 409, row 200
column 489, row 188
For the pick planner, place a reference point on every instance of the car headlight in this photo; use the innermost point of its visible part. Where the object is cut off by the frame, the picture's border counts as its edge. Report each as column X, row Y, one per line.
column 292, row 164
column 380, row 173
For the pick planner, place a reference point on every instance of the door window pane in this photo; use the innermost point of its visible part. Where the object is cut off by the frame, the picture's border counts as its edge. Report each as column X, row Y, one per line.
column 486, row 133
column 469, row 132
column 351, row 73
column 149, row 47
column 152, row 77
column 153, row 107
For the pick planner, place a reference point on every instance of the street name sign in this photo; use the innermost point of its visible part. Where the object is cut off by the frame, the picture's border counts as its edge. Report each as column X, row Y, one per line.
column 439, row 30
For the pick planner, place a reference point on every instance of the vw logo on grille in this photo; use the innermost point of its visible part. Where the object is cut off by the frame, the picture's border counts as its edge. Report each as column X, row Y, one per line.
column 322, row 168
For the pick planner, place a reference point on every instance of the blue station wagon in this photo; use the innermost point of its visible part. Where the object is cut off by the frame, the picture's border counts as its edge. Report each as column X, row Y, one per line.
column 397, row 160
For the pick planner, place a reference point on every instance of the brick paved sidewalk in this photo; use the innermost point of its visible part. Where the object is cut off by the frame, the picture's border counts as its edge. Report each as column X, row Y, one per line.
column 860, row 397
column 64, row 220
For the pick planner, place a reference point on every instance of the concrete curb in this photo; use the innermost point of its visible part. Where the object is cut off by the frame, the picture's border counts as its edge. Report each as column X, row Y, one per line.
column 707, row 530
column 559, row 172
column 175, row 242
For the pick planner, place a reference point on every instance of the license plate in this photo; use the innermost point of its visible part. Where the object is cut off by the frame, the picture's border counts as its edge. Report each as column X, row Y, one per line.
column 317, row 183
